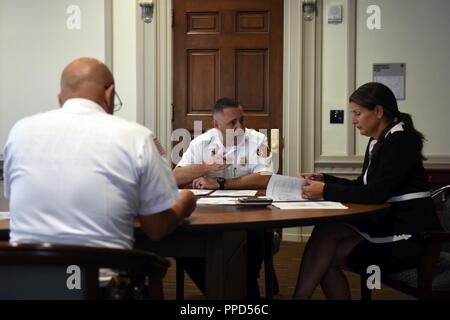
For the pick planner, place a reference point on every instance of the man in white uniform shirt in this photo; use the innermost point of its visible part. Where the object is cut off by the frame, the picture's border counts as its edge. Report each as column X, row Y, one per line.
column 78, row 175
column 229, row 156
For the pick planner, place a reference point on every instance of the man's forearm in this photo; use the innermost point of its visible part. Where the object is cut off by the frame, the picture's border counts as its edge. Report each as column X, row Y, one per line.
column 182, row 209
column 185, row 175
column 157, row 226
column 253, row 180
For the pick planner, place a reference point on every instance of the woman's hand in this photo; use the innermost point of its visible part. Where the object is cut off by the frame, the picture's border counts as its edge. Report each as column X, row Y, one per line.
column 316, row 176
column 313, row 190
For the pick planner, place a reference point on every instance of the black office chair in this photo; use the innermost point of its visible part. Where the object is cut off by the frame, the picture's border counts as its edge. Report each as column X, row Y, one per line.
column 431, row 279
column 44, row 271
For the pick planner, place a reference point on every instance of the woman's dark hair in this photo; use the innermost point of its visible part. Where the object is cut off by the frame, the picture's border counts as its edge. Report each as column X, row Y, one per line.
column 373, row 94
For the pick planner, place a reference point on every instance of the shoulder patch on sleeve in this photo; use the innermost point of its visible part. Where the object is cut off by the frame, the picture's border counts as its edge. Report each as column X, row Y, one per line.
column 159, row 146
column 263, row 151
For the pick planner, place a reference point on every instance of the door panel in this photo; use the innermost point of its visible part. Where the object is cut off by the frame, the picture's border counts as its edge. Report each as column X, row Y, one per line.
column 203, row 80
column 228, row 48
column 251, row 79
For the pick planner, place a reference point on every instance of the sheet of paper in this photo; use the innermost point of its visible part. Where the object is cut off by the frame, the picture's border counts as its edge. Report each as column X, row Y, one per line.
column 217, row 201
column 234, row 193
column 285, row 188
column 4, row 215
column 395, row 83
column 199, row 192
column 309, row 205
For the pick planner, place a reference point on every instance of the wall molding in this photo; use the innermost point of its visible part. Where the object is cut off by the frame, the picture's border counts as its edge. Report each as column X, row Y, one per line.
column 156, row 63
column 302, row 235
column 292, row 95
column 344, row 162
column 311, row 50
column 109, row 30
column 292, row 86
column 351, row 72
column 338, row 160
column 142, row 84
column 163, row 81
column 437, row 159
column 318, row 85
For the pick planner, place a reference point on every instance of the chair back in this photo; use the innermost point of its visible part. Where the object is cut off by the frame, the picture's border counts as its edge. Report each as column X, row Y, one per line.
column 441, row 199
column 45, row 271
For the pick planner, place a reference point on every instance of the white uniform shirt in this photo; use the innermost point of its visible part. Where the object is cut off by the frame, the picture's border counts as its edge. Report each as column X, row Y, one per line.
column 250, row 156
column 77, row 175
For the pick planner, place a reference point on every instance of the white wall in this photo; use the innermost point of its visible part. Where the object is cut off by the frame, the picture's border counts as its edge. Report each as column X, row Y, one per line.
column 412, row 31
column 334, row 81
column 35, row 45
column 125, row 56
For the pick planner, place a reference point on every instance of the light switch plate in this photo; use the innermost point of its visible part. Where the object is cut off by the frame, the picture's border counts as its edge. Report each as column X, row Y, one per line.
column 335, row 14
column 337, row 116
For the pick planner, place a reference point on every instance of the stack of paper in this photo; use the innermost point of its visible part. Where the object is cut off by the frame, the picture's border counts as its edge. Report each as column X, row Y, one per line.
column 217, row 201
column 234, row 193
column 309, row 205
column 199, row 192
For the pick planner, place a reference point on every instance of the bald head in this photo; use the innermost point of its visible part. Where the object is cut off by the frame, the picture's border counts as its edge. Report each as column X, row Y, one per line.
column 89, row 79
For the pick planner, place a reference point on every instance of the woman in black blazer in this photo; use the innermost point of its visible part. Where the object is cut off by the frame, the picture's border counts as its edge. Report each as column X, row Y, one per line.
column 392, row 172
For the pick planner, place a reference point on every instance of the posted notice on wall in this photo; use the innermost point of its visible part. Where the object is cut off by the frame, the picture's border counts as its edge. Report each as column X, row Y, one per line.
column 393, row 76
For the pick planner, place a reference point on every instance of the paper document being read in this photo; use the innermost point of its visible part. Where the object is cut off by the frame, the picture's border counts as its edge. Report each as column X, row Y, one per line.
column 285, row 188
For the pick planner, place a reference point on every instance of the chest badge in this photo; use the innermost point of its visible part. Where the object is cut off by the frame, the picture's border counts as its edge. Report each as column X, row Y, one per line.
column 263, row 151
column 243, row 161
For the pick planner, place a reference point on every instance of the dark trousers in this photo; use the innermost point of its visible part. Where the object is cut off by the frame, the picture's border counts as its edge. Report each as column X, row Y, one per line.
column 195, row 267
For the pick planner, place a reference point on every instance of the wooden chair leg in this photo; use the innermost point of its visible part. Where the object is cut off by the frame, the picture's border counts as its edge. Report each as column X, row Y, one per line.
column 155, row 288
column 276, row 288
column 179, row 280
column 268, row 264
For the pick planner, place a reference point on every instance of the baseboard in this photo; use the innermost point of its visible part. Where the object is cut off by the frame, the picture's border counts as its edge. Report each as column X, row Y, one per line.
column 295, row 237
column 297, row 234
column 291, row 237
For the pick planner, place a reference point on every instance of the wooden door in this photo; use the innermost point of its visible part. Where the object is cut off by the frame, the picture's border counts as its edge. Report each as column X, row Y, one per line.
column 228, row 48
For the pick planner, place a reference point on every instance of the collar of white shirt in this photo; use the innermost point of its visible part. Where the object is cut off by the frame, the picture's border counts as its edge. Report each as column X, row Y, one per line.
column 217, row 136
column 80, row 105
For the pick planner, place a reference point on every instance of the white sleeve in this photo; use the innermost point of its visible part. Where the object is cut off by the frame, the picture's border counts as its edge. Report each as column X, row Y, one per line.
column 6, row 170
column 193, row 155
column 263, row 163
column 7, row 161
column 158, row 190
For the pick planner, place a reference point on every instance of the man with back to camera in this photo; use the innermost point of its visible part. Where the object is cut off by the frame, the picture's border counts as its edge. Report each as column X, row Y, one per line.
column 78, row 175
column 229, row 156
